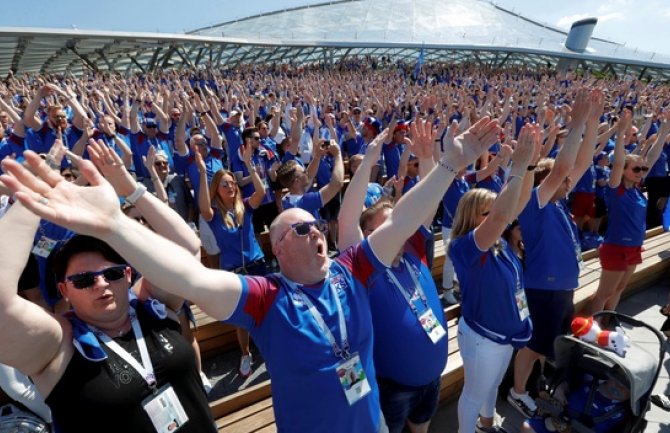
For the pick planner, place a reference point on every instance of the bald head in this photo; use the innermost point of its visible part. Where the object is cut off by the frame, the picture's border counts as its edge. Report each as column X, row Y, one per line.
column 284, row 220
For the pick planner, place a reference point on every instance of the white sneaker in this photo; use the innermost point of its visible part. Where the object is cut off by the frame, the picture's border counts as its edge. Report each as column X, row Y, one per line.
column 523, row 403
column 205, row 382
column 245, row 365
column 449, row 297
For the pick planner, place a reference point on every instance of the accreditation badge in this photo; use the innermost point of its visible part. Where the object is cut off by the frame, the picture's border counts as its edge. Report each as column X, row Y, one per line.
column 353, row 379
column 44, row 247
column 522, row 304
column 165, row 411
column 432, row 326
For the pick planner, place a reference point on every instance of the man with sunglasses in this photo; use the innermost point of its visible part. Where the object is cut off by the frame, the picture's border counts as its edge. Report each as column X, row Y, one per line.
column 266, row 162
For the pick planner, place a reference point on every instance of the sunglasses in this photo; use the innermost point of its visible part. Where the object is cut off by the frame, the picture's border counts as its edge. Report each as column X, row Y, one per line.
column 151, row 126
column 161, row 163
column 256, row 138
column 303, row 229
column 87, row 279
column 639, row 169
column 228, row 183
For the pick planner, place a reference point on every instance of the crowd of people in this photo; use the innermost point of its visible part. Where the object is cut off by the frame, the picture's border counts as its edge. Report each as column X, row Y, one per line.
column 113, row 186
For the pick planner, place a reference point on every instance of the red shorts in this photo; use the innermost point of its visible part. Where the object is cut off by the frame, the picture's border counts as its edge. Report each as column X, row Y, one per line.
column 584, row 204
column 618, row 257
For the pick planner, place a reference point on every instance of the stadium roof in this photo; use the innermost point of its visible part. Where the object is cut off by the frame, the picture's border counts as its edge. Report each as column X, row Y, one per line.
column 452, row 30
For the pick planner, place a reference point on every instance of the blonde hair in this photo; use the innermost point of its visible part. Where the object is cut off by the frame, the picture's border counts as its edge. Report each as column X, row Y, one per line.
column 469, row 210
column 238, row 205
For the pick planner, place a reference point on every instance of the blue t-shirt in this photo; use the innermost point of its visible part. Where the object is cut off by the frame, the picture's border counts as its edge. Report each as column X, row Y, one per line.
column 392, row 152
column 489, row 284
column 233, row 136
column 602, row 173
column 456, row 190
column 238, row 244
column 627, row 210
column 41, row 140
column 186, row 164
column 403, row 351
column 660, row 167
column 262, row 159
column 325, row 171
column 587, row 183
column 310, row 201
column 140, row 143
column 306, row 391
column 13, row 146
column 551, row 244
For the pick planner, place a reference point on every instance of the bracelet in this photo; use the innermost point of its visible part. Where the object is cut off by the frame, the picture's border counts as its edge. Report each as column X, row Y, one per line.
column 139, row 192
column 154, row 178
column 531, row 167
column 447, row 167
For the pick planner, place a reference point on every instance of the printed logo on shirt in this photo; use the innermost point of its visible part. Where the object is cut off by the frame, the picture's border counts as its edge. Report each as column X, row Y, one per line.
column 338, row 282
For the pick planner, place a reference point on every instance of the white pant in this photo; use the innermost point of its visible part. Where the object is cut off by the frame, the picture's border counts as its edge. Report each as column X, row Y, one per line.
column 484, row 364
column 207, row 237
column 19, row 388
column 448, row 268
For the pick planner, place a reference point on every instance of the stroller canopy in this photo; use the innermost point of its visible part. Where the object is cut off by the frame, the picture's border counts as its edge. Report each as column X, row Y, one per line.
column 638, row 364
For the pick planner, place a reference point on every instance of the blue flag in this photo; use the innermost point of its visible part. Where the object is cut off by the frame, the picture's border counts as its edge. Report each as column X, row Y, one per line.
column 419, row 63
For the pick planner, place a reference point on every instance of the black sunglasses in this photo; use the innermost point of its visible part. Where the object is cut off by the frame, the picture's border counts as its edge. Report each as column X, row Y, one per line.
column 302, row 229
column 639, row 169
column 87, row 279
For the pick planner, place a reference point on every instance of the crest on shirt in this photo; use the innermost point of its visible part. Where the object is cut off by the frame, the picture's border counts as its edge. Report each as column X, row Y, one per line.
column 338, row 282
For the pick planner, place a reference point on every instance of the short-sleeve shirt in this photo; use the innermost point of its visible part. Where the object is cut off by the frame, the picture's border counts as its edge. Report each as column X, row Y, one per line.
column 310, row 201
column 489, row 281
column 456, row 190
column 238, row 244
column 627, row 210
column 306, row 390
column 403, row 351
column 551, row 242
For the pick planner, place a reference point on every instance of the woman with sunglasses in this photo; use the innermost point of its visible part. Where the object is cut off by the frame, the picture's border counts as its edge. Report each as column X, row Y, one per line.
column 231, row 219
column 495, row 317
column 111, row 364
column 621, row 250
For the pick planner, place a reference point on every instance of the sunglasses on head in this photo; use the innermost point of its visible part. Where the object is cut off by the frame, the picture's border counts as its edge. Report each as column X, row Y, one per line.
column 228, row 183
column 303, row 229
column 639, row 169
column 87, row 279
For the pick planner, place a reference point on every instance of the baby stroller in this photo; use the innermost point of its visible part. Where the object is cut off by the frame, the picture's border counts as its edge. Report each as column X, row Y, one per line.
column 584, row 370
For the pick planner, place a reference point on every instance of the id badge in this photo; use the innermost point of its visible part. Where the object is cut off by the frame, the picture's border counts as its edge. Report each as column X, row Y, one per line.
column 432, row 326
column 165, row 411
column 353, row 379
column 522, row 304
column 44, row 246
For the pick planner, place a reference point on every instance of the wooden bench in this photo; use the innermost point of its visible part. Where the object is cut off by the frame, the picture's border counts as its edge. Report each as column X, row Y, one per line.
column 251, row 410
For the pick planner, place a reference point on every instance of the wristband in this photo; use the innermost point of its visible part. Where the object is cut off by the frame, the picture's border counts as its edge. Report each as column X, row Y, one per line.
column 139, row 192
column 447, row 167
column 531, row 167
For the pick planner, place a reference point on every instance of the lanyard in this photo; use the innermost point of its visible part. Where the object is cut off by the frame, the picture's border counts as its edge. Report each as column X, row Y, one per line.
column 341, row 351
column 578, row 249
column 516, row 271
column 417, row 287
column 146, row 368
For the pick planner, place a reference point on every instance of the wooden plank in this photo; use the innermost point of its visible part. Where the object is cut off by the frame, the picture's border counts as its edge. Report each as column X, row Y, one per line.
column 240, row 400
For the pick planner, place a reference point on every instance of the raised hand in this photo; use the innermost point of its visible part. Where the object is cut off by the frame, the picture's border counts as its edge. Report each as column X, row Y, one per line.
column 468, row 146
column 111, row 166
column 527, row 147
column 92, row 210
column 423, row 137
column 200, row 162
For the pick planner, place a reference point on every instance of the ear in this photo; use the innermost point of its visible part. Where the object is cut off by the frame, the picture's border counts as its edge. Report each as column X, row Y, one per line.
column 63, row 290
column 276, row 250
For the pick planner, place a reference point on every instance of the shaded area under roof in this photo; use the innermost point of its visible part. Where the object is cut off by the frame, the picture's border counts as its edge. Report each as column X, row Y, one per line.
column 447, row 30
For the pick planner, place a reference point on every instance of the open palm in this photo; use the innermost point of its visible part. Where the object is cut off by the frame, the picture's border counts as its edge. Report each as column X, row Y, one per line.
column 90, row 210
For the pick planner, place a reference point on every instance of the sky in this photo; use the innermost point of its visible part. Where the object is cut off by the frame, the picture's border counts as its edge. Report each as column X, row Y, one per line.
column 639, row 24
